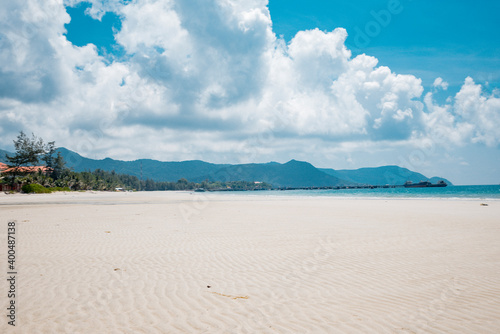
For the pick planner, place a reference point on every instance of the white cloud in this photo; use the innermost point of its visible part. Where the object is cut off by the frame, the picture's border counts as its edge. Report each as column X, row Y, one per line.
column 314, row 88
column 479, row 110
column 29, row 64
column 442, row 126
column 440, row 83
column 98, row 8
column 299, row 94
column 203, row 79
column 318, row 58
column 470, row 117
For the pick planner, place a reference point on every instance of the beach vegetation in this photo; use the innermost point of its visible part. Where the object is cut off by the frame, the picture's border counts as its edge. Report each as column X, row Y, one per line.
column 34, row 188
column 28, row 151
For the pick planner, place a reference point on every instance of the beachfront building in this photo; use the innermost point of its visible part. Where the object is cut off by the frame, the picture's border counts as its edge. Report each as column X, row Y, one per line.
column 23, row 170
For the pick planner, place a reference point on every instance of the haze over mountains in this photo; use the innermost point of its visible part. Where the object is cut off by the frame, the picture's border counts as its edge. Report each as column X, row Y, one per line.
column 291, row 174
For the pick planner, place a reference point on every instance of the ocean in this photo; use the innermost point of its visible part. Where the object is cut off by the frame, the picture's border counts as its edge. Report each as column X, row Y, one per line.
column 481, row 192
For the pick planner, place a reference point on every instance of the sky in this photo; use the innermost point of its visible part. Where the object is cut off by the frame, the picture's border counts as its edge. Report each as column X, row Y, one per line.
column 340, row 84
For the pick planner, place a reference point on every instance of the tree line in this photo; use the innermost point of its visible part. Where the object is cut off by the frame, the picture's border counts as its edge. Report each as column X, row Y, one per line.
column 56, row 175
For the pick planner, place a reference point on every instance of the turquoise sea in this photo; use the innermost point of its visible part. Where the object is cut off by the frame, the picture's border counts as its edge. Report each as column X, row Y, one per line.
column 450, row 192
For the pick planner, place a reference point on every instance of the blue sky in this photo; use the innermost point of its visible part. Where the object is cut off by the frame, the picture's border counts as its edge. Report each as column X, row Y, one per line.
column 84, row 29
column 448, row 39
column 451, row 39
column 341, row 84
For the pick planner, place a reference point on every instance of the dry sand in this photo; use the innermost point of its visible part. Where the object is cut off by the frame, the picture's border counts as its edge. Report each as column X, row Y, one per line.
column 168, row 262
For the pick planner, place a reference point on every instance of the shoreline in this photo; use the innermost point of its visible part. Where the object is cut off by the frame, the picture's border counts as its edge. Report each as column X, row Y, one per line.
column 274, row 193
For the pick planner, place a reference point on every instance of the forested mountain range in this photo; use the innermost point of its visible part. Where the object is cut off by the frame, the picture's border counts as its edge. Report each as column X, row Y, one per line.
column 290, row 174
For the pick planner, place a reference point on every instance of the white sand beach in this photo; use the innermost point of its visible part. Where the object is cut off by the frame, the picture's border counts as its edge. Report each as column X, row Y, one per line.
column 179, row 262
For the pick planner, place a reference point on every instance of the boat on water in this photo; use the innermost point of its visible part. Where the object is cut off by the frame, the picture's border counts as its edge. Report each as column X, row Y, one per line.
column 424, row 184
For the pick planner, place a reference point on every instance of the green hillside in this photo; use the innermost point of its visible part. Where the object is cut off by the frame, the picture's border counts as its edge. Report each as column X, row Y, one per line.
column 151, row 169
column 391, row 175
column 291, row 174
column 296, row 174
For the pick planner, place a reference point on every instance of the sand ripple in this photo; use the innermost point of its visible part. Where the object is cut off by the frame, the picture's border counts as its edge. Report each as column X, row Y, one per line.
column 239, row 265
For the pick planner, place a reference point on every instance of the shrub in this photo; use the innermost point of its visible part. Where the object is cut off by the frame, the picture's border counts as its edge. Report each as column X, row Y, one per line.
column 34, row 188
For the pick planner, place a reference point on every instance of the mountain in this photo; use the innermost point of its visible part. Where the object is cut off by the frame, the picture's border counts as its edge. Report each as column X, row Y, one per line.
column 151, row 169
column 291, row 174
column 3, row 156
column 392, row 175
column 294, row 173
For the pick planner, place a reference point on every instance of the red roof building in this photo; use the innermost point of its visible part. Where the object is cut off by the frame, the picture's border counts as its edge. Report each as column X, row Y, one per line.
column 31, row 169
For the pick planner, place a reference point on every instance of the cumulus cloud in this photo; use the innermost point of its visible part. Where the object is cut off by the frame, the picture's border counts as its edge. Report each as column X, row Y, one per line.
column 471, row 116
column 479, row 110
column 29, row 64
column 316, row 88
column 202, row 77
column 440, row 83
